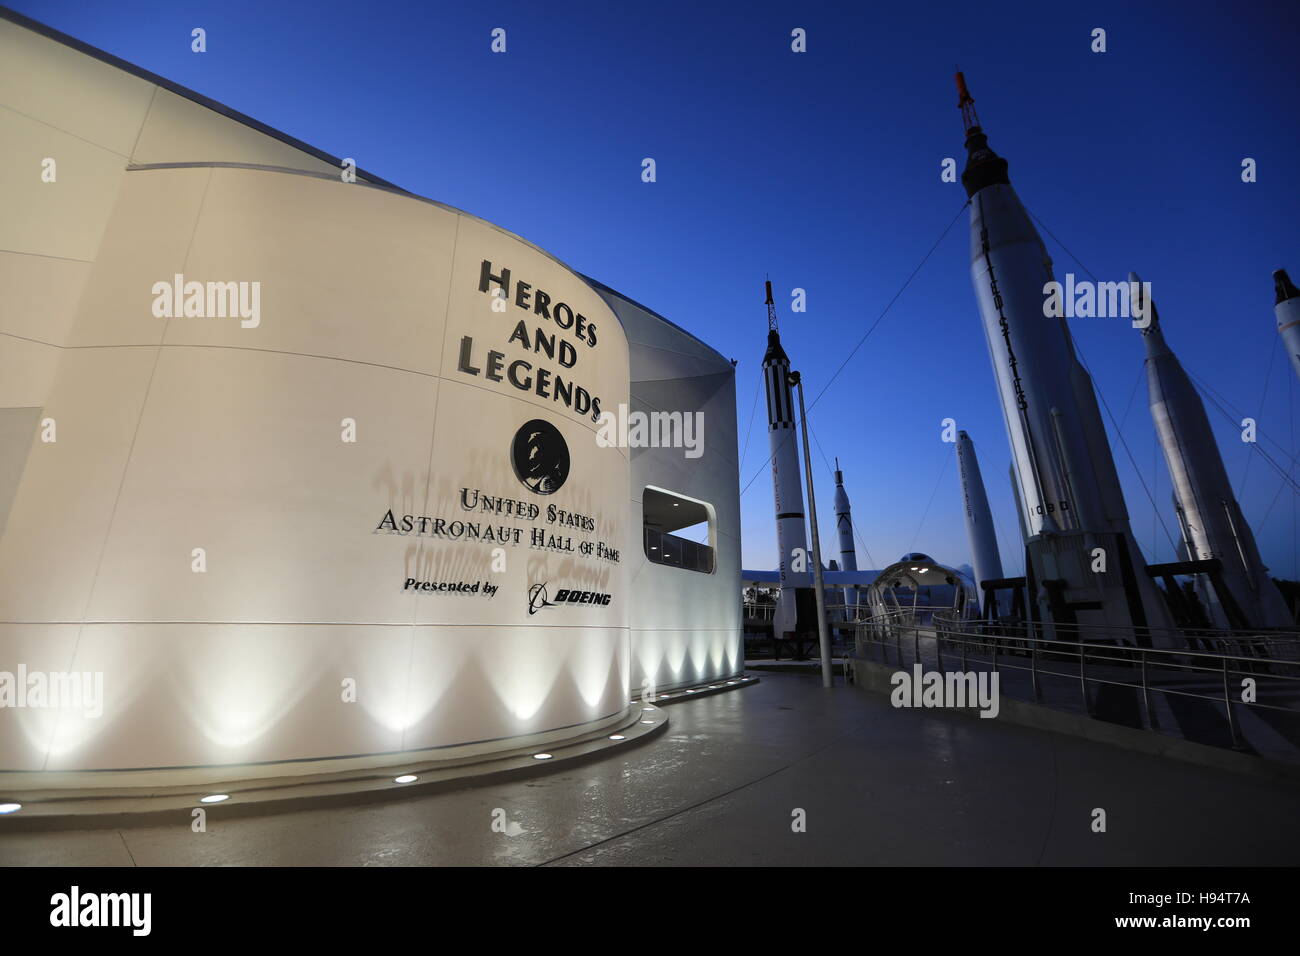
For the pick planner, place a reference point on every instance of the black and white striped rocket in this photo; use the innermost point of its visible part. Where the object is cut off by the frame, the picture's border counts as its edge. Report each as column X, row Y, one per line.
column 1211, row 521
column 848, row 552
column 1084, row 562
column 979, row 517
column 1287, row 311
column 791, row 529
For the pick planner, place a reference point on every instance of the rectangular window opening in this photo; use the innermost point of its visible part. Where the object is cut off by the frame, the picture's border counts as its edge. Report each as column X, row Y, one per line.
column 678, row 531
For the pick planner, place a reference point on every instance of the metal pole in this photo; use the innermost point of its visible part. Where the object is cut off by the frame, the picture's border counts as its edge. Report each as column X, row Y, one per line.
column 1227, row 703
column 822, row 637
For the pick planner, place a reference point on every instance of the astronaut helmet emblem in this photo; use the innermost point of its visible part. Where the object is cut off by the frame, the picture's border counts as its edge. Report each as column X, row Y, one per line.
column 540, row 457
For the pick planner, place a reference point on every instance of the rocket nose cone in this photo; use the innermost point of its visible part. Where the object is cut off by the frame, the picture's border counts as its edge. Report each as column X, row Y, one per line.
column 1284, row 287
column 1138, row 295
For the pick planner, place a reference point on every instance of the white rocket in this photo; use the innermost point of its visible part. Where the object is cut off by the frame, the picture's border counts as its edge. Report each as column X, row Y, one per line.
column 1287, row 311
column 791, row 530
column 1086, row 565
column 848, row 553
column 979, row 518
column 1208, row 514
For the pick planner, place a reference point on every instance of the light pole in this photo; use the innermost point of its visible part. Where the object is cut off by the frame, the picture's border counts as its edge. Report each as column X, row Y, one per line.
column 819, row 586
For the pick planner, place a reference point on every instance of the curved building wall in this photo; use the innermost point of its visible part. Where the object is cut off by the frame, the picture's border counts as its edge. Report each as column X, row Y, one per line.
column 686, row 626
column 184, row 433
column 220, row 526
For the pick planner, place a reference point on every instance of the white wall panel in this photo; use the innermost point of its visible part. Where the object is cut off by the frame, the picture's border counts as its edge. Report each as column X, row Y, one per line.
column 70, row 91
column 63, row 218
column 41, row 295
column 345, row 270
column 146, row 241
column 51, row 546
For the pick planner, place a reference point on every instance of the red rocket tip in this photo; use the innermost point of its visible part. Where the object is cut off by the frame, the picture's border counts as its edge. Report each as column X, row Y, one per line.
column 966, row 103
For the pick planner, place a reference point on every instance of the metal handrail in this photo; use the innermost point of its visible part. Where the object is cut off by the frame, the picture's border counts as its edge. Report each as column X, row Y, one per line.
column 1104, row 658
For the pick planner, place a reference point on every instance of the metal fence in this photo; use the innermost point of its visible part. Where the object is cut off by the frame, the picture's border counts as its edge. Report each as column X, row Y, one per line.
column 1230, row 669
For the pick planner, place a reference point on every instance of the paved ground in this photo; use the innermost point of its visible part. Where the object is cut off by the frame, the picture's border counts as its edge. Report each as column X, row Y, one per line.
column 879, row 787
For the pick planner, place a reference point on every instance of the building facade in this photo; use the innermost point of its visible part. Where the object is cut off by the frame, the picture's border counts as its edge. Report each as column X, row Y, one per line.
column 308, row 467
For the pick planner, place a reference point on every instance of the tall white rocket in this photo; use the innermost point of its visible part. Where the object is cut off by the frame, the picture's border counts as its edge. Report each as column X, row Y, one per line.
column 979, row 518
column 1086, row 565
column 848, row 552
column 1209, row 517
column 791, row 529
column 1287, row 311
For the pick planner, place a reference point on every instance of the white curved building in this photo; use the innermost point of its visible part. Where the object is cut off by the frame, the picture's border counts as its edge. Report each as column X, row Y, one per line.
column 307, row 469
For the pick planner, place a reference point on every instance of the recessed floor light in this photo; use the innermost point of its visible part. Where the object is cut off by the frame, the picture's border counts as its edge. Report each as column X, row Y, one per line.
column 406, row 778
column 215, row 798
column 10, row 808
column 647, row 721
column 617, row 737
column 647, row 708
column 541, row 756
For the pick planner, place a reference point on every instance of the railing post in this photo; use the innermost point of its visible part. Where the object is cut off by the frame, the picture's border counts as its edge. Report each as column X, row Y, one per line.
column 1146, row 692
column 1227, row 703
column 1033, row 666
column 1083, row 680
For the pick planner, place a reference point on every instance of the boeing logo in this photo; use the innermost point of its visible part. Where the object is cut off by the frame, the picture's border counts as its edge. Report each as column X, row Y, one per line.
column 537, row 598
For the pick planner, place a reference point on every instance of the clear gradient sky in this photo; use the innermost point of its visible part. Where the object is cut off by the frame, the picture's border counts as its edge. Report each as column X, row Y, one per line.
column 822, row 169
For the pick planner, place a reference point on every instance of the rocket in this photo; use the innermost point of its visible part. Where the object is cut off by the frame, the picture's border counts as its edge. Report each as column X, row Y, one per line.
column 1287, row 311
column 1086, row 564
column 1020, row 512
column 848, row 554
column 979, row 519
column 1209, row 517
column 791, row 531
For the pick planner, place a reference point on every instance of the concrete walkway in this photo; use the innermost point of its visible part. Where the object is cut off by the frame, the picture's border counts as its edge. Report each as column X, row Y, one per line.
column 879, row 786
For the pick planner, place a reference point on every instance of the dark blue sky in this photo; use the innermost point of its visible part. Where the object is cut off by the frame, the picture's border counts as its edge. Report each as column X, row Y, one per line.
column 822, row 169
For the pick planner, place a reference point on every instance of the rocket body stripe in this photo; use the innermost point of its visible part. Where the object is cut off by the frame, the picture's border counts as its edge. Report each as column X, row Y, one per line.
column 1208, row 513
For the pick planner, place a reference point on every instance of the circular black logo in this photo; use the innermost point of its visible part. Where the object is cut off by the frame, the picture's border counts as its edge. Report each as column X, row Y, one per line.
column 537, row 598
column 540, row 457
